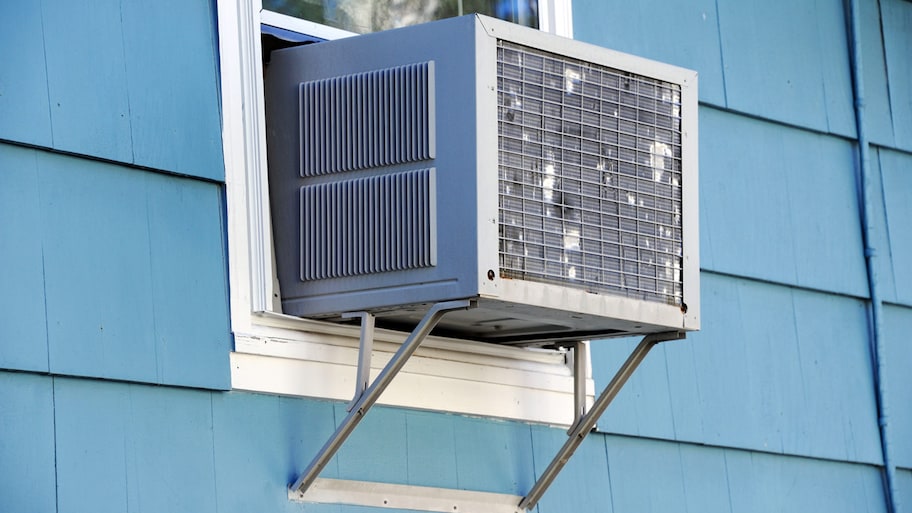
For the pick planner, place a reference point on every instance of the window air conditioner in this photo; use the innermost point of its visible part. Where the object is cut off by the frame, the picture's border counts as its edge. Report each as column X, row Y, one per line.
column 551, row 182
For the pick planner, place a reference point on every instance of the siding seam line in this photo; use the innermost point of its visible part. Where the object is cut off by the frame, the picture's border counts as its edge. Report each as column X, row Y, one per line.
column 47, row 85
column 123, row 51
column 721, row 52
column 883, row 52
column 54, row 420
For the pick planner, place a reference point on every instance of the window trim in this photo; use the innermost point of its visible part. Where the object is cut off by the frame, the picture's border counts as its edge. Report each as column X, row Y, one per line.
column 282, row 354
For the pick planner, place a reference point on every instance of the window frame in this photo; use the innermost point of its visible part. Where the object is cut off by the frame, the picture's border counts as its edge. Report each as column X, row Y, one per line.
column 282, row 354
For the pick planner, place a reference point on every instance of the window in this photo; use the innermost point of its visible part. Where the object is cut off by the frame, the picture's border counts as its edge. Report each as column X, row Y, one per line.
column 277, row 353
column 363, row 16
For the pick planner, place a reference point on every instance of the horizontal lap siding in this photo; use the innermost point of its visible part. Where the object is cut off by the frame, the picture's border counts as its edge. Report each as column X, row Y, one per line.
column 113, row 272
column 779, row 204
column 782, row 362
column 585, row 483
column 654, row 476
column 87, row 79
column 879, row 123
column 27, row 476
column 23, row 321
column 131, row 447
column 133, row 82
column 787, row 61
column 109, row 270
column 126, row 448
column 896, row 169
column 24, row 108
column 898, row 348
column 682, row 33
column 171, row 61
column 896, row 17
column 783, row 61
column 774, row 369
column 763, row 482
column 904, row 477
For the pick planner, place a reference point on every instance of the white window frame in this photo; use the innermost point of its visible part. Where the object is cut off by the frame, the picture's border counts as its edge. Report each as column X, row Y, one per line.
column 281, row 354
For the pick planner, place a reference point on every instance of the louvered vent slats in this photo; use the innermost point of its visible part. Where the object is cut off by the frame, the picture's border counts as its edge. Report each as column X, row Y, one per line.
column 368, row 225
column 373, row 119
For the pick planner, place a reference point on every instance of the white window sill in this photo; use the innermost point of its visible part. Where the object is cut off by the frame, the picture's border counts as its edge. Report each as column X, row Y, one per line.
column 447, row 375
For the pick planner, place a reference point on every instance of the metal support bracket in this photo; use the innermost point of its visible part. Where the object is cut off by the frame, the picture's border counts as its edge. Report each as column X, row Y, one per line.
column 364, row 354
column 584, row 424
column 580, row 364
column 365, row 398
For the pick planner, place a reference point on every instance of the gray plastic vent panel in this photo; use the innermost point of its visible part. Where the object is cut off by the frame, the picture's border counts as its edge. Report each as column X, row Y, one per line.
column 589, row 176
column 373, row 119
column 369, row 225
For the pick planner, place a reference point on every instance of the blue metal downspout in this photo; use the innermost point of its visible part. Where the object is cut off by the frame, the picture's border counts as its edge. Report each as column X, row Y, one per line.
column 867, row 222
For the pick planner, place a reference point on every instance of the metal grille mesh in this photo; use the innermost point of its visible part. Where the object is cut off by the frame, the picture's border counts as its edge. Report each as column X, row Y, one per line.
column 589, row 176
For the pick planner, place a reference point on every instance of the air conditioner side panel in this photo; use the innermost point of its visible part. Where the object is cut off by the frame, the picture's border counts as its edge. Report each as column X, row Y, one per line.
column 450, row 48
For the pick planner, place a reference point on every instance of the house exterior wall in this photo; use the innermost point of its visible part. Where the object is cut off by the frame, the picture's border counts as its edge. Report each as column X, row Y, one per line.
column 114, row 333
column 780, row 379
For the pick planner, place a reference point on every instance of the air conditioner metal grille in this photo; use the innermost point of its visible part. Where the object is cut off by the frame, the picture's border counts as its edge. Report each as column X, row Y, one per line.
column 365, row 120
column 589, row 176
column 368, row 225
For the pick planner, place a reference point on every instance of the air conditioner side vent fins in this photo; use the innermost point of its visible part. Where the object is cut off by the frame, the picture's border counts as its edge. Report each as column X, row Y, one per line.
column 367, row 120
column 369, row 225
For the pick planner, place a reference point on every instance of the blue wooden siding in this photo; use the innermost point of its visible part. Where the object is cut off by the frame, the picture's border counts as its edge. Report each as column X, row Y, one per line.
column 583, row 485
column 761, row 186
column 174, row 107
column 130, row 447
column 117, row 446
column 782, row 365
column 898, row 331
column 787, row 61
column 774, row 369
column 781, row 60
column 105, row 82
column 111, row 272
column 897, row 24
column 287, row 432
column 24, row 109
column 88, row 80
column 681, row 33
column 27, row 443
column 23, row 323
column 905, row 486
column 896, row 168
column 761, row 482
column 877, row 101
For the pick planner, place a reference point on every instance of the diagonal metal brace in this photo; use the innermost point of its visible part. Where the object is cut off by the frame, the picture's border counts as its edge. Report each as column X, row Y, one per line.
column 367, row 399
column 585, row 423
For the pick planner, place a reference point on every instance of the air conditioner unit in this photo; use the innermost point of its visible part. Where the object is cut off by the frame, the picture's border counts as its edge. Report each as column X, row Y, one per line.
column 551, row 182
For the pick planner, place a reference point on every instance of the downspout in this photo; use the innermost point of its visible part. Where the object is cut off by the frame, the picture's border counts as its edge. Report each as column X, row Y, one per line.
column 867, row 225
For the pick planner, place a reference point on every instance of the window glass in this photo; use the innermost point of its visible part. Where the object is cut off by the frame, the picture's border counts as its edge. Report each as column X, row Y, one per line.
column 364, row 16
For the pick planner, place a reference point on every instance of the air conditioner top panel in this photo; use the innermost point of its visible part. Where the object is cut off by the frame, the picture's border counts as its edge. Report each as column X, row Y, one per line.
column 552, row 182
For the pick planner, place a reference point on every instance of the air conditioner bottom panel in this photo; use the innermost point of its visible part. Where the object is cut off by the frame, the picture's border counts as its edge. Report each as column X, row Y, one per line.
column 511, row 323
